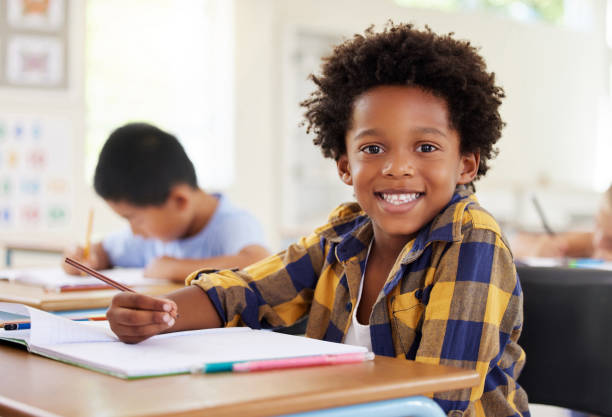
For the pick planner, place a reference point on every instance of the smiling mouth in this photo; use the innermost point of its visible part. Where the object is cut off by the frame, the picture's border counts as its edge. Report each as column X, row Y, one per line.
column 399, row 198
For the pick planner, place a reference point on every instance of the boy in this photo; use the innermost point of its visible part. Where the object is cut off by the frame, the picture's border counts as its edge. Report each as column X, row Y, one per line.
column 416, row 269
column 145, row 176
column 596, row 244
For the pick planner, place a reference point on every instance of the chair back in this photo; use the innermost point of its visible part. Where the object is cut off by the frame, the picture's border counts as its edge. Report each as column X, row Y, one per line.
column 567, row 337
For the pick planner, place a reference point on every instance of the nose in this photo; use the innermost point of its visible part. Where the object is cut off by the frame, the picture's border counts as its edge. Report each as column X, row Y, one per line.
column 398, row 165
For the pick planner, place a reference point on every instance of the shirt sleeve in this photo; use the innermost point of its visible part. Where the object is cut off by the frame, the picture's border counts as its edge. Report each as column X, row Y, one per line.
column 274, row 292
column 472, row 319
column 238, row 230
column 124, row 249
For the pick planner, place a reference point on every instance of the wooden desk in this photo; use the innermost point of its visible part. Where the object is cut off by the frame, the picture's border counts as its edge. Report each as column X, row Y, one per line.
column 35, row 386
column 73, row 300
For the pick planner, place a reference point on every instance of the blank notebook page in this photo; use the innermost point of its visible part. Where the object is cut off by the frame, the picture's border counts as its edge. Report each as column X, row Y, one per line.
column 179, row 352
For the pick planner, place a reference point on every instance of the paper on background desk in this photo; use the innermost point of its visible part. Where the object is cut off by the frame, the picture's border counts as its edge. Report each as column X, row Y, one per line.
column 566, row 262
column 92, row 345
column 54, row 279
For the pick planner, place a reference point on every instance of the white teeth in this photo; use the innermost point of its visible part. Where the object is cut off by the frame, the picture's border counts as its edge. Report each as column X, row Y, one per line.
column 398, row 199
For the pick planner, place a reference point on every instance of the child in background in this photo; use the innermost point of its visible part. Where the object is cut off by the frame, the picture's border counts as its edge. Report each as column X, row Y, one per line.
column 596, row 244
column 145, row 176
column 416, row 269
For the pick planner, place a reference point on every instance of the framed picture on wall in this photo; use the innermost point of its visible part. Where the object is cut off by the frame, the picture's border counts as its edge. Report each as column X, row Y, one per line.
column 34, row 60
column 45, row 15
column 34, row 44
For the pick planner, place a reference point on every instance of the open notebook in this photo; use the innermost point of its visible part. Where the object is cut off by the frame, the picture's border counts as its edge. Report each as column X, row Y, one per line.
column 55, row 279
column 92, row 345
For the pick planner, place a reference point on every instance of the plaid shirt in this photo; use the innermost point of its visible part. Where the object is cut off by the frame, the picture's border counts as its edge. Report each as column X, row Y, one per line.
column 452, row 298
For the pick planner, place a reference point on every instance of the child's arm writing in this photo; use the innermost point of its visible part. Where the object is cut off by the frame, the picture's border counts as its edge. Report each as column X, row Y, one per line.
column 136, row 317
column 177, row 269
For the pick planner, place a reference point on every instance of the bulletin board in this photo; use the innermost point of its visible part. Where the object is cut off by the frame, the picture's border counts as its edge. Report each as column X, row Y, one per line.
column 34, row 43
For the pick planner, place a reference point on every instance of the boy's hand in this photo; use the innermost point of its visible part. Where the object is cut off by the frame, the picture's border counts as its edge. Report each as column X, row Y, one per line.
column 97, row 259
column 604, row 254
column 136, row 317
column 167, row 268
column 75, row 253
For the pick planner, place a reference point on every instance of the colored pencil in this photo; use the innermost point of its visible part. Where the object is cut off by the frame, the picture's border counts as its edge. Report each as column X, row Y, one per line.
column 98, row 275
column 540, row 211
column 301, row 362
column 270, row 364
column 87, row 247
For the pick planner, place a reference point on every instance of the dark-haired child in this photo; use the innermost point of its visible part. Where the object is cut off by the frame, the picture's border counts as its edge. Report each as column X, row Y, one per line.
column 145, row 176
column 416, row 269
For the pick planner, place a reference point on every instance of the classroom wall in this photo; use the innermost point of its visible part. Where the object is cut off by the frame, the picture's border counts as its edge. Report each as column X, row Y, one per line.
column 59, row 112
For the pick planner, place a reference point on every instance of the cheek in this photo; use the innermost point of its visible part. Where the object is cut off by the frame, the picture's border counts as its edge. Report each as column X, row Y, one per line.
column 443, row 176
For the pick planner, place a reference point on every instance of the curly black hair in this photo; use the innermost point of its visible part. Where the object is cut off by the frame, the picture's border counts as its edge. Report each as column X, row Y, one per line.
column 401, row 55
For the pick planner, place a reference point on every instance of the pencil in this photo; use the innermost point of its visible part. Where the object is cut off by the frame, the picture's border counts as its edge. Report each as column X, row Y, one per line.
column 303, row 361
column 87, row 247
column 104, row 278
column 23, row 325
column 538, row 208
column 98, row 275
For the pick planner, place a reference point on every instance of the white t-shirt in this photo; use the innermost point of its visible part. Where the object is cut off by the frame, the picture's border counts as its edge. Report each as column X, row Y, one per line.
column 359, row 334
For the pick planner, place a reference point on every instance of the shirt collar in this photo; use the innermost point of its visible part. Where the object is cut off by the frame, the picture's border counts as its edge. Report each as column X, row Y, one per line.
column 353, row 234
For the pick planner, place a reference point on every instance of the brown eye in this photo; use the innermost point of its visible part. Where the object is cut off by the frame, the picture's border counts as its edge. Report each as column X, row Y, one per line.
column 372, row 149
column 426, row 148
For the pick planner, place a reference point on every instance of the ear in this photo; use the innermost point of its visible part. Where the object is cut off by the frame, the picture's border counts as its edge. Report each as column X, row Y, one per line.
column 344, row 170
column 179, row 196
column 468, row 167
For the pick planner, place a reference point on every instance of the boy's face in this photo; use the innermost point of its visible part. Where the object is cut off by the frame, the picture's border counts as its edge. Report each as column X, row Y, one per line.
column 163, row 222
column 402, row 158
column 602, row 238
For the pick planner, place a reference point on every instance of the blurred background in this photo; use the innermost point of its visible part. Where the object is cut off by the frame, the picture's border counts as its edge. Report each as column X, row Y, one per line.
column 226, row 77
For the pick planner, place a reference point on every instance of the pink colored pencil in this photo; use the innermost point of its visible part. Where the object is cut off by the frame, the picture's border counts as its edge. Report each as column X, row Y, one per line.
column 299, row 362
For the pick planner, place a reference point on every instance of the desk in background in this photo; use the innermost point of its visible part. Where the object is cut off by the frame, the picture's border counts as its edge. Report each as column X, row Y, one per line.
column 30, row 387
column 74, row 300
column 10, row 249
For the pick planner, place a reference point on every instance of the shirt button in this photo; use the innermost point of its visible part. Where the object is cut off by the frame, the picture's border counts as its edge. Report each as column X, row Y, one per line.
column 349, row 306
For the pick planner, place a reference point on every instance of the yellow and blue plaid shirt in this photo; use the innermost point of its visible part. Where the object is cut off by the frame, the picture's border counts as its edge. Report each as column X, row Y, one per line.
column 452, row 298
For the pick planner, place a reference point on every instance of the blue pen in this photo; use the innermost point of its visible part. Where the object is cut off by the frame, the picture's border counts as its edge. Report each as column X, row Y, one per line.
column 16, row 326
column 26, row 325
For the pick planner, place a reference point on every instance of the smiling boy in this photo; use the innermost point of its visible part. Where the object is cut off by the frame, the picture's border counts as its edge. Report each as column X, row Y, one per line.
column 415, row 269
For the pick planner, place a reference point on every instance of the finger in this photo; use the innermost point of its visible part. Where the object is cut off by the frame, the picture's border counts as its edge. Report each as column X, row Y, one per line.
column 137, row 331
column 142, row 302
column 139, row 318
column 132, row 339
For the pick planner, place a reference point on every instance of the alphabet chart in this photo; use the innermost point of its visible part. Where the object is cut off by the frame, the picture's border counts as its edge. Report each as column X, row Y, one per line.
column 36, row 174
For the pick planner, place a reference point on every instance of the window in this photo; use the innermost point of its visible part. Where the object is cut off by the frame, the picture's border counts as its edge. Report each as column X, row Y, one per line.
column 526, row 10
column 169, row 63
